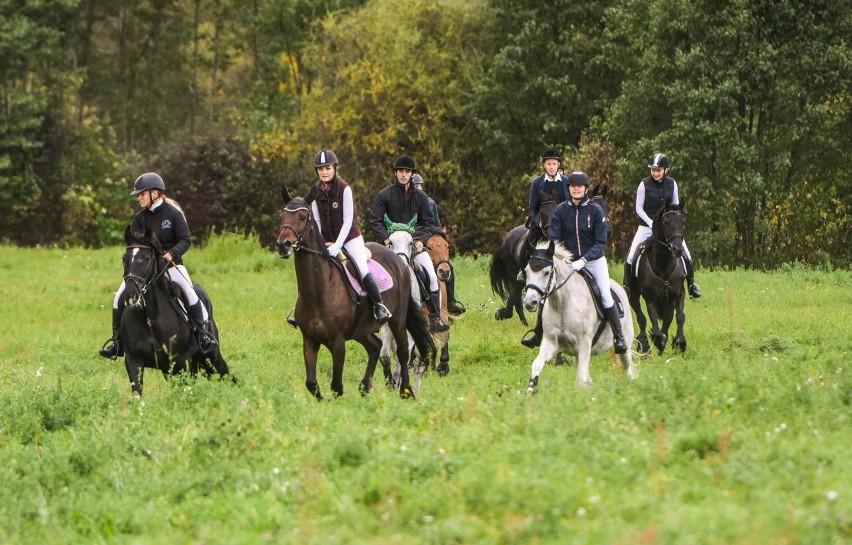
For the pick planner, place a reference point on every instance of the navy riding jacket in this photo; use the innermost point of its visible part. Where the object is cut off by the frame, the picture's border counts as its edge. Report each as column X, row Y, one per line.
column 582, row 228
column 169, row 224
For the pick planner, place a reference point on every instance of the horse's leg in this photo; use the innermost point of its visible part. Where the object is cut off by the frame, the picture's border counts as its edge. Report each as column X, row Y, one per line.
column 583, row 359
column 657, row 335
column 135, row 373
column 444, row 366
column 309, row 353
column 402, row 356
column 373, row 345
column 546, row 353
column 515, row 301
column 679, row 342
column 636, row 305
column 338, row 358
column 661, row 321
column 388, row 346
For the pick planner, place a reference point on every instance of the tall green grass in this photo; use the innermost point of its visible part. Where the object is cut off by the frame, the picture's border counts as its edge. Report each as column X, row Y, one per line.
column 743, row 439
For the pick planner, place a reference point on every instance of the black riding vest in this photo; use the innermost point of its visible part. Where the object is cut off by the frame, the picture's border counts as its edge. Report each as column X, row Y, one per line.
column 330, row 207
column 656, row 195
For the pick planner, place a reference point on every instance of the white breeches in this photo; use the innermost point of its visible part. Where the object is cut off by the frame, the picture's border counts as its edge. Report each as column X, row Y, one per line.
column 424, row 259
column 600, row 271
column 643, row 233
column 358, row 253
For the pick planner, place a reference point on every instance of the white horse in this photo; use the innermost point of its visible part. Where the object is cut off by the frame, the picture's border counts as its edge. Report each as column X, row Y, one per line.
column 401, row 242
column 569, row 319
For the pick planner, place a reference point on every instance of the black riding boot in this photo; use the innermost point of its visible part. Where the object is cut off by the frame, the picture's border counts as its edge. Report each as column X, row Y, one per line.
column 535, row 340
column 206, row 340
column 694, row 291
column 435, row 312
column 112, row 349
column 612, row 317
column 629, row 283
column 380, row 311
column 453, row 307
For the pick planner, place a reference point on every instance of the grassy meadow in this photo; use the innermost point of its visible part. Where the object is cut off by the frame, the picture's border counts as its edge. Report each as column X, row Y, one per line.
column 744, row 439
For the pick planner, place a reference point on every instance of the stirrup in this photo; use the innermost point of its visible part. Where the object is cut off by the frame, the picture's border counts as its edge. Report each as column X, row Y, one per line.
column 381, row 313
column 110, row 349
column 456, row 309
column 291, row 320
column 531, row 342
column 694, row 291
column 437, row 325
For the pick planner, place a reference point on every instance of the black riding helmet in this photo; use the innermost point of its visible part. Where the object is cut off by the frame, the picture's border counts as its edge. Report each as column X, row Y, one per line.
column 325, row 158
column 147, row 182
column 659, row 161
column 578, row 178
column 406, row 162
column 551, row 154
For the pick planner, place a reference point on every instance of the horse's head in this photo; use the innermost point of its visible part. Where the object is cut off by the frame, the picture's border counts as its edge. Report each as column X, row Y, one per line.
column 439, row 252
column 400, row 241
column 597, row 194
column 143, row 258
column 296, row 221
column 539, row 274
column 670, row 228
column 545, row 212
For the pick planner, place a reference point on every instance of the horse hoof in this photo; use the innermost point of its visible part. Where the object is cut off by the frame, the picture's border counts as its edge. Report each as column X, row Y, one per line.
column 406, row 393
column 443, row 369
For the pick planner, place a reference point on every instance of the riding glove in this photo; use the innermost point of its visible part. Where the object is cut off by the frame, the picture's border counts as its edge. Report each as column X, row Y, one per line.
column 418, row 246
column 333, row 250
column 579, row 264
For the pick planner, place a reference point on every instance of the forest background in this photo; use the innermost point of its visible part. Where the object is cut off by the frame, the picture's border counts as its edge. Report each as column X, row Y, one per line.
column 228, row 99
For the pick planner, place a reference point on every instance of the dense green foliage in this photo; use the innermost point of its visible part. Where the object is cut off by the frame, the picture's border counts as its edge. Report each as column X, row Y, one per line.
column 744, row 439
column 229, row 98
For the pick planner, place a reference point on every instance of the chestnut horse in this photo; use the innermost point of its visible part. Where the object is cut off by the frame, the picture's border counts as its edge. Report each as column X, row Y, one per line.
column 329, row 312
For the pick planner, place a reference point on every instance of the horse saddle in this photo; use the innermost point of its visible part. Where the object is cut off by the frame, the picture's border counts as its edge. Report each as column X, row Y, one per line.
column 596, row 294
column 380, row 275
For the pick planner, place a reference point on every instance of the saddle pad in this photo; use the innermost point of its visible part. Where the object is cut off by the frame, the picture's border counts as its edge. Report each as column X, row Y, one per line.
column 380, row 275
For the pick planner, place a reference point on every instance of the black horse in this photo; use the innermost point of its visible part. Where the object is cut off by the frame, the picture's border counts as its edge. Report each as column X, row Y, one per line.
column 506, row 260
column 154, row 327
column 660, row 274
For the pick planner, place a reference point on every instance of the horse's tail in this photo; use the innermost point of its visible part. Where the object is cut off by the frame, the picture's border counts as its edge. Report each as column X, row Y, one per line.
column 499, row 270
column 418, row 326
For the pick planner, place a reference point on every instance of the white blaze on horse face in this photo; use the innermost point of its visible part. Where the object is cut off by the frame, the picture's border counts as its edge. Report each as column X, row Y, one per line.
column 400, row 244
column 539, row 279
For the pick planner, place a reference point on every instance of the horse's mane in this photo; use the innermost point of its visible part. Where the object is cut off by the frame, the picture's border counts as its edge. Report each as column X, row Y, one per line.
column 145, row 237
column 559, row 250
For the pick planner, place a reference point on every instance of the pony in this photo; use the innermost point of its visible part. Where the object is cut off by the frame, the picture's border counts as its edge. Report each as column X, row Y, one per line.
column 439, row 252
column 570, row 320
column 154, row 328
column 506, row 259
column 660, row 273
column 401, row 242
column 330, row 312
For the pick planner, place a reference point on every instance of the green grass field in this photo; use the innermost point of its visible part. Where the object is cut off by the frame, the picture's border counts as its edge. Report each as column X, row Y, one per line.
column 744, row 439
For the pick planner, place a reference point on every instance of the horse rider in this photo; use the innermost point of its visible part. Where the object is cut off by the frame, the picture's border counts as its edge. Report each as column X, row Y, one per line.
column 651, row 197
column 580, row 225
column 453, row 307
column 164, row 217
column 401, row 202
column 549, row 186
column 334, row 210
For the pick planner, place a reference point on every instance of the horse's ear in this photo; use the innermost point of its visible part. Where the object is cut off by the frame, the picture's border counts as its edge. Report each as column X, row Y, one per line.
column 388, row 221
column 285, row 194
column 551, row 247
column 128, row 238
column 413, row 221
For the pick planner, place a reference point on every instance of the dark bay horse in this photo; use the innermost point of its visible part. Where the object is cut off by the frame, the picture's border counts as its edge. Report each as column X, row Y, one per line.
column 506, row 259
column 154, row 328
column 660, row 277
column 329, row 312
